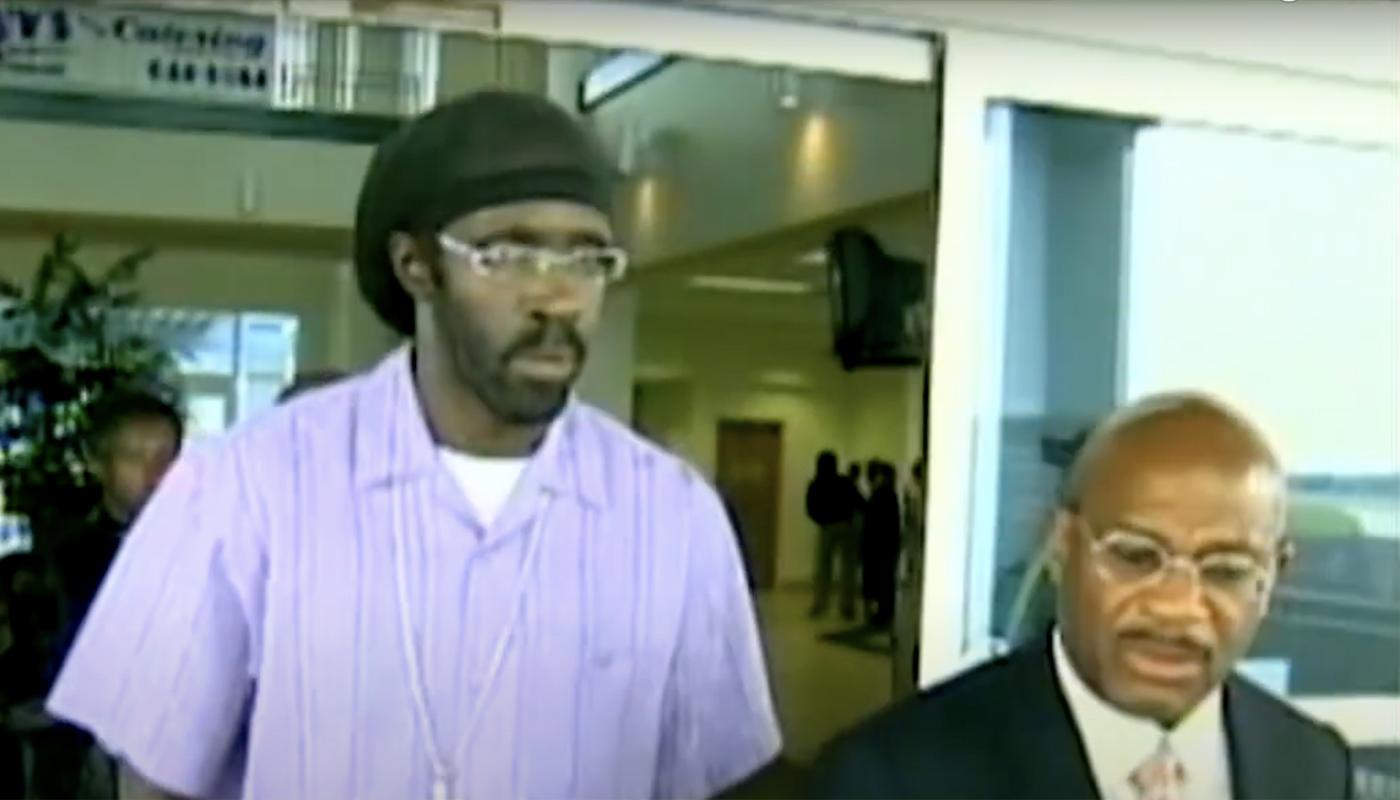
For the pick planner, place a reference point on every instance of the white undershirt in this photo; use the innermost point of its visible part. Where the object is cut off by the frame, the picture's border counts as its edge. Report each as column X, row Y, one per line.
column 1117, row 743
column 487, row 483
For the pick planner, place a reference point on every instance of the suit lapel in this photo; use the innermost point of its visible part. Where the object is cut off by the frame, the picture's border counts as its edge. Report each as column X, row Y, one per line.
column 1263, row 762
column 1044, row 734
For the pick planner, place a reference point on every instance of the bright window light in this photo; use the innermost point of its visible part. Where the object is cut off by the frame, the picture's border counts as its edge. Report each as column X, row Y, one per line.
column 616, row 74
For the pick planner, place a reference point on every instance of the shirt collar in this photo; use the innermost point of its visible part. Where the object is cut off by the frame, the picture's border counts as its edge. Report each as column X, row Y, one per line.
column 1116, row 742
column 393, row 443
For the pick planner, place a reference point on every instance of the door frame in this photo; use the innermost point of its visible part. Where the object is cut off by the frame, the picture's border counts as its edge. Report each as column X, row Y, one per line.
column 986, row 63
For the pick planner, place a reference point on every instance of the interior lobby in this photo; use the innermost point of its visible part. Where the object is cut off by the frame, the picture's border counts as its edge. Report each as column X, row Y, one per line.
column 1094, row 225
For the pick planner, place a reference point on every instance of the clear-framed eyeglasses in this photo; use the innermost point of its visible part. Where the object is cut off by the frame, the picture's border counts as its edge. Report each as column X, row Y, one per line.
column 516, row 261
column 1131, row 559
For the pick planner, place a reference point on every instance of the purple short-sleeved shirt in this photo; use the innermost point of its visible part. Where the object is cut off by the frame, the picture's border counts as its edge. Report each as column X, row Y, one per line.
column 248, row 640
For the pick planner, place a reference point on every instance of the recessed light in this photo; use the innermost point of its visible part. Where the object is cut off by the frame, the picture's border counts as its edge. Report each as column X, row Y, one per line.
column 734, row 283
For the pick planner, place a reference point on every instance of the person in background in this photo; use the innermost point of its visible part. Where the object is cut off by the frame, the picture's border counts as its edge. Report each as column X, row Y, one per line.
column 35, row 618
column 910, row 579
column 32, row 626
column 448, row 577
column 858, row 480
column 911, row 538
column 861, row 491
column 307, row 381
column 1166, row 546
column 911, row 496
column 879, row 544
column 133, row 438
column 833, row 505
column 12, row 781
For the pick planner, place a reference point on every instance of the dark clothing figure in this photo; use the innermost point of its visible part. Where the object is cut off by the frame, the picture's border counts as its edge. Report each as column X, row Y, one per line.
column 17, row 681
column 11, row 750
column 62, row 753
column 27, row 669
column 879, row 552
column 834, row 504
column 1005, row 729
column 82, row 562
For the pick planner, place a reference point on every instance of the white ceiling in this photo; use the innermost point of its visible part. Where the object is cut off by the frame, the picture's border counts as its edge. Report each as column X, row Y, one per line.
column 719, row 161
column 670, row 297
column 742, row 186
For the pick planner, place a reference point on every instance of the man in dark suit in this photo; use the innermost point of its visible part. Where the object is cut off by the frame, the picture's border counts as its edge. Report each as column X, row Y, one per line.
column 1166, row 546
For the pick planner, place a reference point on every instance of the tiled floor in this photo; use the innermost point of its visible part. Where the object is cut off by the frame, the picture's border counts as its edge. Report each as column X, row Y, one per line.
column 819, row 688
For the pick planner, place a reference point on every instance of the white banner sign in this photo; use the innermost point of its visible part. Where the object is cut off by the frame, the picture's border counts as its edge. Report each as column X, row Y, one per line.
column 93, row 47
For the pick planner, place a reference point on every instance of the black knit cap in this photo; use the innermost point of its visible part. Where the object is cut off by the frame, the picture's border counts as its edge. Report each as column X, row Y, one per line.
column 480, row 150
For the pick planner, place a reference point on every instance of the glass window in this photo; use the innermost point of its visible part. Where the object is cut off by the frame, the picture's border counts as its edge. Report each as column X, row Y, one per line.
column 234, row 364
column 422, row 67
column 212, row 350
column 267, row 345
column 295, row 59
column 259, row 394
column 1135, row 258
column 206, row 413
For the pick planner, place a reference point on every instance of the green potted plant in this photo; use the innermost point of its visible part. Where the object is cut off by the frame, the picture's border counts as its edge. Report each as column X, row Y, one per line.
column 64, row 339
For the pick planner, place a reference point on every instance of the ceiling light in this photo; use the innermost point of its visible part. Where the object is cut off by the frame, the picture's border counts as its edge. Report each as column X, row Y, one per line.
column 813, row 258
column 784, row 379
column 788, row 87
column 732, row 283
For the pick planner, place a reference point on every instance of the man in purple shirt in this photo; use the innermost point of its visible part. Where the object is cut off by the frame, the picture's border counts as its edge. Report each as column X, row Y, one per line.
column 444, row 578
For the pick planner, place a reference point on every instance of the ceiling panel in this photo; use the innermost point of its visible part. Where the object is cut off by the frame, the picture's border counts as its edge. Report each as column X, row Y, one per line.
column 670, row 294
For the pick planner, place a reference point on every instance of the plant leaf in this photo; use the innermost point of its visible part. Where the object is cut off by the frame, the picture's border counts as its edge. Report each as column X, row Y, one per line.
column 126, row 269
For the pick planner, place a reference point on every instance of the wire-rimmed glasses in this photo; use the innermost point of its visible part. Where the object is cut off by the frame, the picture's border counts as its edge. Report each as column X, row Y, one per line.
column 1132, row 559
column 508, row 260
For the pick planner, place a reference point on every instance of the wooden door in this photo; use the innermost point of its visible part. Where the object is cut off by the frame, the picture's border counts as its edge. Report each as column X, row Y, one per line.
column 748, row 473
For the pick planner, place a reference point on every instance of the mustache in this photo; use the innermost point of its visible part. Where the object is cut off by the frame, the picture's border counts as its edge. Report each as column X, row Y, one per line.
column 1183, row 640
column 551, row 334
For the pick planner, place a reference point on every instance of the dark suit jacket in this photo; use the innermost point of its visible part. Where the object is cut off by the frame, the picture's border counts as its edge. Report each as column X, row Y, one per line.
column 1004, row 730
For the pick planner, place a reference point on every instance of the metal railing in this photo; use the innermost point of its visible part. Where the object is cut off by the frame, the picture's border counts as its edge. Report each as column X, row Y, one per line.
column 273, row 61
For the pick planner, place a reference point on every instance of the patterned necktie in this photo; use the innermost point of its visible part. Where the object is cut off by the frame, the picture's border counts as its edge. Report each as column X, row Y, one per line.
column 1160, row 777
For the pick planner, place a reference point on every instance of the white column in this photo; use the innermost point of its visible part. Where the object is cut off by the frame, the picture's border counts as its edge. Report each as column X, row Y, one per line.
column 607, row 378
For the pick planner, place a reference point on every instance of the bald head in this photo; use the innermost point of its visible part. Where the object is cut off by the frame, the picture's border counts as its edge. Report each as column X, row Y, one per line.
column 1179, row 432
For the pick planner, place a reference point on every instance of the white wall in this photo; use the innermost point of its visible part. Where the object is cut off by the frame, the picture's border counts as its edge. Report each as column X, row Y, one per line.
column 1350, row 39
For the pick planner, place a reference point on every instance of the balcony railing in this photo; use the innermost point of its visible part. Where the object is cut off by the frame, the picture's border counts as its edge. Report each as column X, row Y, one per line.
column 272, row 61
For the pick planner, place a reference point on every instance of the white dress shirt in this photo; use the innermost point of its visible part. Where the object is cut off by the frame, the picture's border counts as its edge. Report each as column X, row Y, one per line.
column 1117, row 744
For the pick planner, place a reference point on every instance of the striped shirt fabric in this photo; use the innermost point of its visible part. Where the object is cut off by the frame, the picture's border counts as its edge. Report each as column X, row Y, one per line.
column 250, row 638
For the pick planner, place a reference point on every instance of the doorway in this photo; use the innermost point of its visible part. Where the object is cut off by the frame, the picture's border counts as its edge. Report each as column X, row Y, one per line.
column 749, row 474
